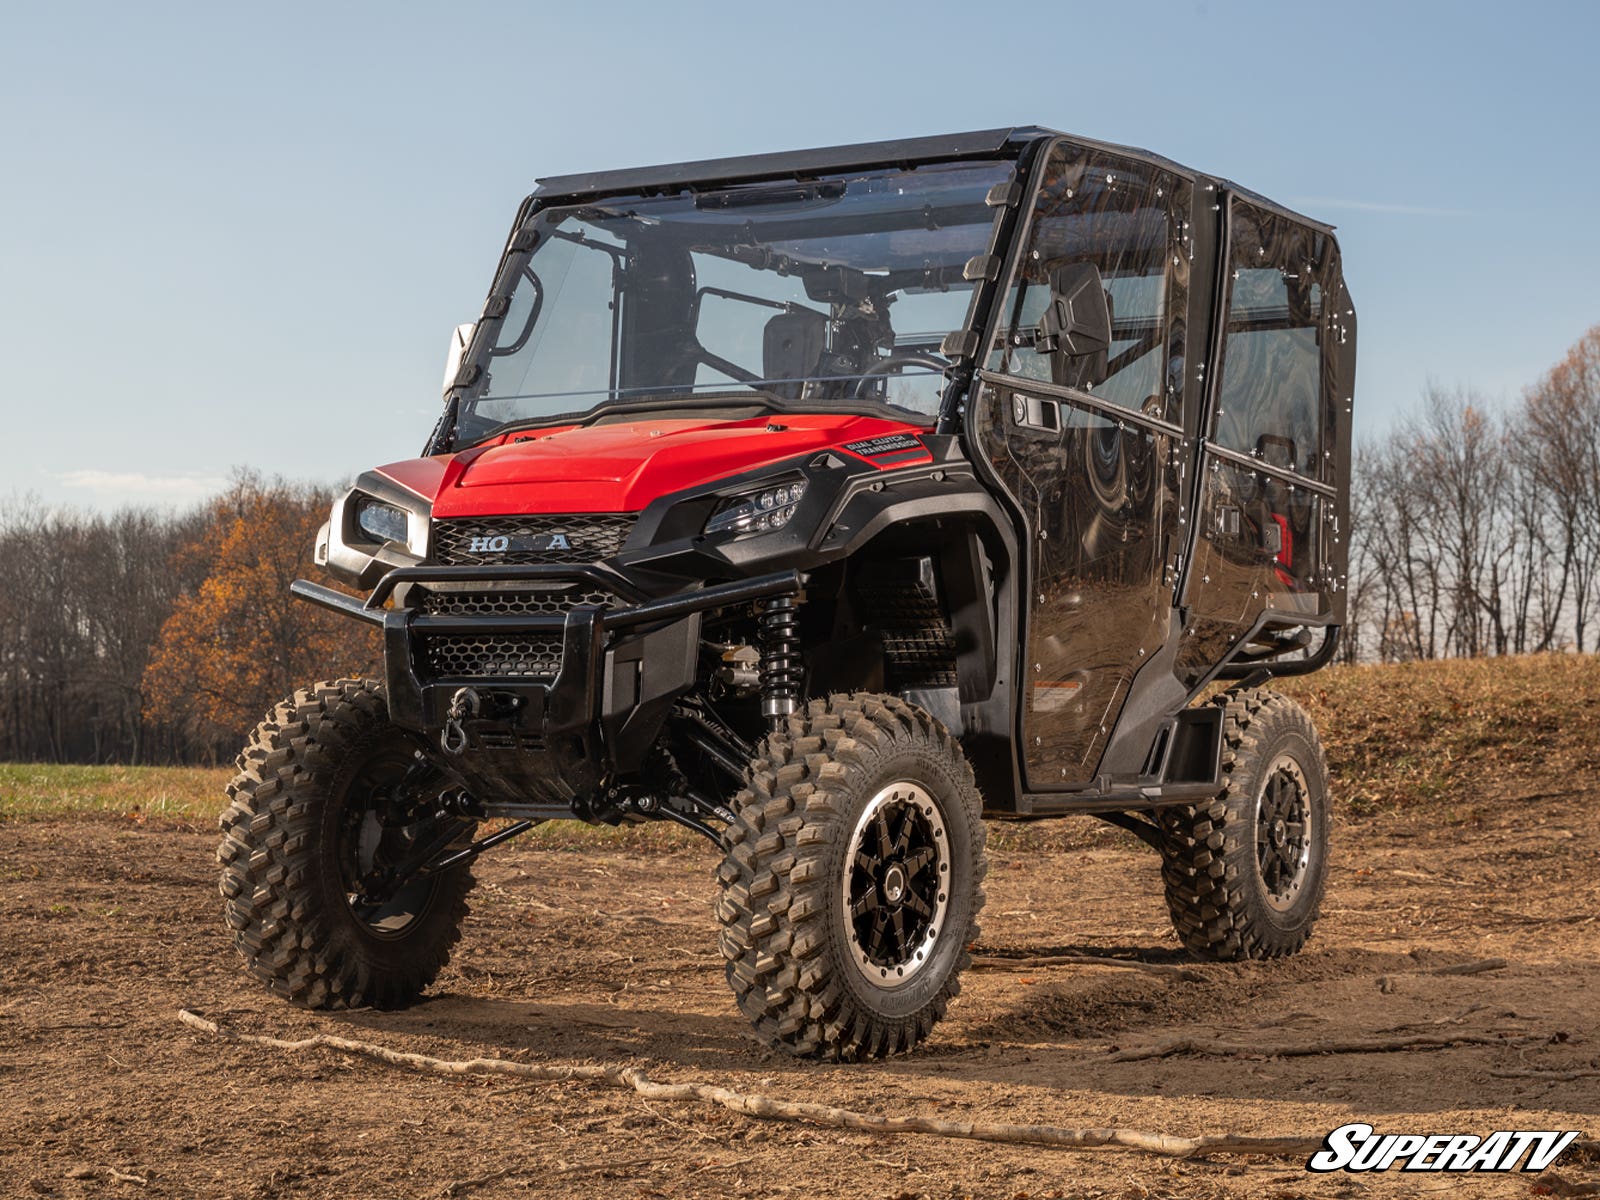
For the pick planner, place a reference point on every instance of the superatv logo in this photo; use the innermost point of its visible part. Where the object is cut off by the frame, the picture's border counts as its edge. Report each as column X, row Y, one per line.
column 1358, row 1147
column 500, row 543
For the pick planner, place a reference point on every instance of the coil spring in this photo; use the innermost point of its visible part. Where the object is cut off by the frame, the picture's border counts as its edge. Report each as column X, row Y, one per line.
column 782, row 670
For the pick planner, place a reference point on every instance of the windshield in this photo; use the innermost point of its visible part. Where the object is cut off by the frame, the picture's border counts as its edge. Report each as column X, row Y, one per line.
column 834, row 291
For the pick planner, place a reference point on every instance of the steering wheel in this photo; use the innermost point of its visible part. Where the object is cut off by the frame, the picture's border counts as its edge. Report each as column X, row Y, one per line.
column 896, row 362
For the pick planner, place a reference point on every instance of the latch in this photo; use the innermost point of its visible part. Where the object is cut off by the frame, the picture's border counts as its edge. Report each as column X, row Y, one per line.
column 1034, row 412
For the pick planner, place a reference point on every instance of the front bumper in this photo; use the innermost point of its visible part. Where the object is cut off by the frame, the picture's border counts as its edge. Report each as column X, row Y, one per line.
column 547, row 740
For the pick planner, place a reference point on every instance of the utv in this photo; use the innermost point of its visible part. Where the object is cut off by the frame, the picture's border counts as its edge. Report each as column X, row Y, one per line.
column 826, row 504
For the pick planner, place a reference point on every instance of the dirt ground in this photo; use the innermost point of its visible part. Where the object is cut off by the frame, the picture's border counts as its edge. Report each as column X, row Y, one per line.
column 604, row 955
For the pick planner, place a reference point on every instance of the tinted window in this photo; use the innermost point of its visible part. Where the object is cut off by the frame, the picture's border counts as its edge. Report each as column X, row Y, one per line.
column 557, row 330
column 837, row 290
column 736, row 302
column 1129, row 221
column 1270, row 403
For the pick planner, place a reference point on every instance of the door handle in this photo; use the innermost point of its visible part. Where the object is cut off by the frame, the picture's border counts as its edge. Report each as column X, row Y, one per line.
column 1035, row 413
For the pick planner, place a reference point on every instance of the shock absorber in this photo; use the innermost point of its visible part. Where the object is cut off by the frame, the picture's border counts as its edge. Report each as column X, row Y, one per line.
column 782, row 671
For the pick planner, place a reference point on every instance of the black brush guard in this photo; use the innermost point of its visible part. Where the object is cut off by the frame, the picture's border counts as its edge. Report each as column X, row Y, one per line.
column 576, row 744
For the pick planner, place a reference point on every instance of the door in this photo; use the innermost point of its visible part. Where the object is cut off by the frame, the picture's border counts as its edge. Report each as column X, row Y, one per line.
column 1268, row 519
column 1078, row 411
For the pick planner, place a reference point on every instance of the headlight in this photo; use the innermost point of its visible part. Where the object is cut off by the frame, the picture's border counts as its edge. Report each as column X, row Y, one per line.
column 758, row 512
column 374, row 527
column 381, row 522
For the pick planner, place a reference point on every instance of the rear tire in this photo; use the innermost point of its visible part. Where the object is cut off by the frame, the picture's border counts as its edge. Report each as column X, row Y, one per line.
column 312, row 808
column 1244, row 874
column 854, row 879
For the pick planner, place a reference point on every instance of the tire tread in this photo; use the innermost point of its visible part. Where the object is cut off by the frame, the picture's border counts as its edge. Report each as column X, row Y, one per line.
column 774, row 906
column 1206, row 892
column 272, row 904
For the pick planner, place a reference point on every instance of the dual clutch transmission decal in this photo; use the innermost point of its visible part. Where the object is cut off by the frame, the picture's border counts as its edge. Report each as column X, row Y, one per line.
column 889, row 450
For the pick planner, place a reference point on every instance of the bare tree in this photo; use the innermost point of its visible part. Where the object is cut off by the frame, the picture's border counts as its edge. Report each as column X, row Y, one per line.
column 1395, row 540
column 1476, row 535
column 1562, row 425
column 1458, row 479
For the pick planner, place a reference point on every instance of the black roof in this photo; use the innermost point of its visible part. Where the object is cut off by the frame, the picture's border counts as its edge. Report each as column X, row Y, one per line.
column 981, row 144
column 984, row 143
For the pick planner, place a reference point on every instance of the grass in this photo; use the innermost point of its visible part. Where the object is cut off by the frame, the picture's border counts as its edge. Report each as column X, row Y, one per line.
column 194, row 796
column 1451, row 732
column 187, row 794
column 1399, row 736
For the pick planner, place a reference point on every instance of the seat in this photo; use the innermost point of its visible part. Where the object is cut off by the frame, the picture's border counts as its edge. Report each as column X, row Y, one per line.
column 792, row 345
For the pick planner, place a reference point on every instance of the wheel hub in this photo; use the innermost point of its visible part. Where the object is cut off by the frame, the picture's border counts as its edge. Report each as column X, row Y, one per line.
column 378, row 833
column 896, row 887
column 368, row 840
column 894, row 884
column 1284, row 833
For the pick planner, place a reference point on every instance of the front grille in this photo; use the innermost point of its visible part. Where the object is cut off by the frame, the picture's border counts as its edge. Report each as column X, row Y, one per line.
column 496, row 655
column 542, row 603
column 558, row 538
column 562, row 539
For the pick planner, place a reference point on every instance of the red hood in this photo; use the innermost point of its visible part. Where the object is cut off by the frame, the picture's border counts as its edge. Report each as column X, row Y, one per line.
column 623, row 467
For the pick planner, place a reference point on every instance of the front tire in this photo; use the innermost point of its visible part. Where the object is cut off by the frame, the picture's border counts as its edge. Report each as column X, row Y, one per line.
column 854, row 879
column 1244, row 874
column 318, row 812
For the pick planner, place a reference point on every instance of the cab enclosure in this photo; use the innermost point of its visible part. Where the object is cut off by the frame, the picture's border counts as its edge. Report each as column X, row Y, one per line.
column 825, row 504
column 1065, row 426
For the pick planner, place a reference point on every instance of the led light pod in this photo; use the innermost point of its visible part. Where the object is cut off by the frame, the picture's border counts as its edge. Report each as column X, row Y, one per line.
column 381, row 522
column 758, row 512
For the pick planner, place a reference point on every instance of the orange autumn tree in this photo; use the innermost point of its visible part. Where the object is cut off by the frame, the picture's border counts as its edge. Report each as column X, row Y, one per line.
column 237, row 642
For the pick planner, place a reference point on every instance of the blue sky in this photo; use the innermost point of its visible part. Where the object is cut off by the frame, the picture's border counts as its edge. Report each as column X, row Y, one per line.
column 240, row 236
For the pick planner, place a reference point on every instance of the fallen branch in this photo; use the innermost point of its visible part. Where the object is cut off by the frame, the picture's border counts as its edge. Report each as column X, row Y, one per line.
column 609, row 1164
column 1559, row 1185
column 1386, row 983
column 1220, row 1049
column 767, row 1108
column 713, row 1165
column 1548, row 1076
column 1459, row 1017
column 995, row 962
column 1466, row 968
column 461, row 1186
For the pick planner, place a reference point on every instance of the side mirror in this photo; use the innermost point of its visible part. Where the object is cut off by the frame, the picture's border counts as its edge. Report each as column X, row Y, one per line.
column 1077, row 321
column 459, row 340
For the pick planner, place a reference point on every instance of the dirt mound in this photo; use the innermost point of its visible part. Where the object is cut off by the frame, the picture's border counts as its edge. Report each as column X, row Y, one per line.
column 1450, row 732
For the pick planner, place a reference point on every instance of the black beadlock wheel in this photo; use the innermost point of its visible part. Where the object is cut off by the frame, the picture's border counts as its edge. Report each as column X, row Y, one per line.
column 1244, row 874
column 853, row 882
column 316, row 818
